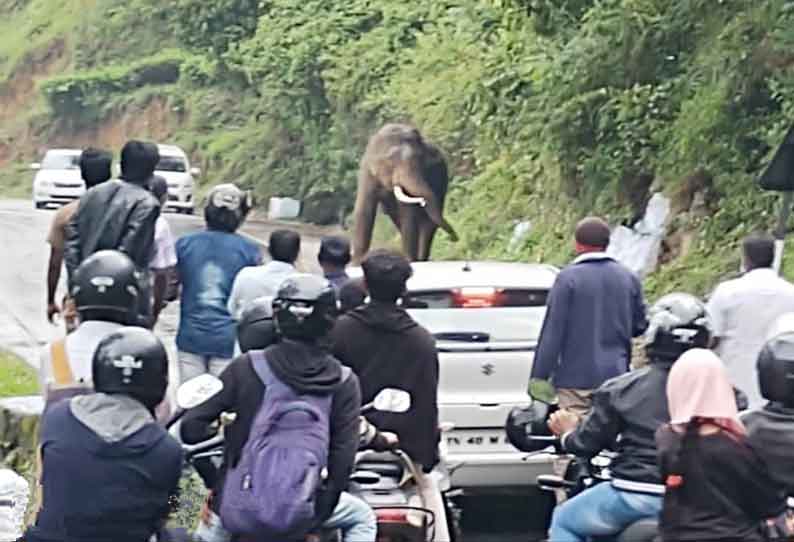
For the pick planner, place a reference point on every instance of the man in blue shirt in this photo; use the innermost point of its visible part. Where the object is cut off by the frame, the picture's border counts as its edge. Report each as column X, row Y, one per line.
column 595, row 308
column 208, row 263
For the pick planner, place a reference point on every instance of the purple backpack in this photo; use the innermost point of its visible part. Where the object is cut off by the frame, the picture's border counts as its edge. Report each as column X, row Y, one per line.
column 271, row 492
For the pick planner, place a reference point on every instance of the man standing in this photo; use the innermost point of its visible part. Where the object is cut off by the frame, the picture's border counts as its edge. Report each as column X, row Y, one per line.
column 119, row 215
column 595, row 308
column 208, row 262
column 744, row 309
column 386, row 348
column 164, row 258
column 94, row 169
column 333, row 259
column 264, row 280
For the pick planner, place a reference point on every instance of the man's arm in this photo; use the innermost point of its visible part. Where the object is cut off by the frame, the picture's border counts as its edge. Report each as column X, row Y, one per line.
column 137, row 240
column 53, row 277
column 716, row 310
column 552, row 335
column 344, row 443
column 234, row 304
column 73, row 252
column 160, row 288
column 598, row 431
column 196, row 424
column 640, row 320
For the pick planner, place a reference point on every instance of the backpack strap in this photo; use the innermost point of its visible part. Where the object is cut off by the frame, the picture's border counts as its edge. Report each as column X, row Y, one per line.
column 59, row 361
column 262, row 367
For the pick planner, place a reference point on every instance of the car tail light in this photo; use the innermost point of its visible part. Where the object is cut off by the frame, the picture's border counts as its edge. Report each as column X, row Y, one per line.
column 476, row 298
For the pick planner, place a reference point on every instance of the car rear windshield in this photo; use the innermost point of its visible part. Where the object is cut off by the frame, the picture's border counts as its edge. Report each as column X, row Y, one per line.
column 61, row 161
column 480, row 314
column 172, row 163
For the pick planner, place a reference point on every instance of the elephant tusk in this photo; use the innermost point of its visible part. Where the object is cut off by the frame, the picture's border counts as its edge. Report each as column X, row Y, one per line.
column 402, row 197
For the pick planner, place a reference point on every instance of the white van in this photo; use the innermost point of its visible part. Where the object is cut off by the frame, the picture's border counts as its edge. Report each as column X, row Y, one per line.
column 57, row 178
column 174, row 167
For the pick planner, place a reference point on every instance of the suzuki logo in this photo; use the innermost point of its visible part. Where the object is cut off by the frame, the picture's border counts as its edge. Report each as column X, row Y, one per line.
column 487, row 369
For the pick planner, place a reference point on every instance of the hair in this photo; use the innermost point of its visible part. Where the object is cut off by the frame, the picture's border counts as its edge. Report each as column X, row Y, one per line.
column 759, row 250
column 158, row 187
column 284, row 246
column 95, row 166
column 386, row 273
column 351, row 295
column 138, row 161
column 592, row 232
column 334, row 250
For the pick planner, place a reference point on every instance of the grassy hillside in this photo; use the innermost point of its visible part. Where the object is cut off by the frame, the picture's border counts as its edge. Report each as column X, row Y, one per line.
column 547, row 109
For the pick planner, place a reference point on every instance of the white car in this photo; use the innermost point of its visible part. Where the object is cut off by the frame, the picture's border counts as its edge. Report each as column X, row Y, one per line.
column 174, row 167
column 57, row 178
column 486, row 318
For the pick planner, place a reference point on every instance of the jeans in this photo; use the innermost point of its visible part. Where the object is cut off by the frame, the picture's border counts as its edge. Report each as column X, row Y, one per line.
column 193, row 365
column 354, row 518
column 601, row 511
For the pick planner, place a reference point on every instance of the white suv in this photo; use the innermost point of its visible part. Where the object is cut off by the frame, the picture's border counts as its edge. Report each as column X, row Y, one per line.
column 57, row 178
column 174, row 167
column 486, row 318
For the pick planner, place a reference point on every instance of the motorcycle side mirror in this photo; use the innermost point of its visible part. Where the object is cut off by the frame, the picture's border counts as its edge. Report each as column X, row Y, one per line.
column 392, row 400
column 197, row 390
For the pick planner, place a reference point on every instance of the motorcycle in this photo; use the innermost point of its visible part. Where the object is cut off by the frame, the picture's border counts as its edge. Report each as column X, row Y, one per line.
column 385, row 480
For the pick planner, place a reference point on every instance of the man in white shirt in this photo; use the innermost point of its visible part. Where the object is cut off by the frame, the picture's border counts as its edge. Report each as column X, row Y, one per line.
column 742, row 311
column 263, row 280
column 105, row 291
column 164, row 259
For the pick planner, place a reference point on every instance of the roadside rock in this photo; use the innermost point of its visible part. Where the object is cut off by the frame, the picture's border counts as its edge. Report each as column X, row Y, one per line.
column 19, row 428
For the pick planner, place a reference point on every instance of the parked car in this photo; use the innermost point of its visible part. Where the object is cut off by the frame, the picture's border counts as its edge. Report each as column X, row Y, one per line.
column 174, row 167
column 57, row 179
column 486, row 318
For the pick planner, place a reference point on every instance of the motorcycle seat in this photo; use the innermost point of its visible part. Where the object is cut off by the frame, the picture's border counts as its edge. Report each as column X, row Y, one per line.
column 645, row 530
column 388, row 470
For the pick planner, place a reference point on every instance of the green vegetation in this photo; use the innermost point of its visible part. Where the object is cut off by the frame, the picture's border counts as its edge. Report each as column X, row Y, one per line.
column 16, row 377
column 547, row 109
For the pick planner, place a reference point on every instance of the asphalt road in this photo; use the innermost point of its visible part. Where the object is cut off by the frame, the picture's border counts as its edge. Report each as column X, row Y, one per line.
column 24, row 329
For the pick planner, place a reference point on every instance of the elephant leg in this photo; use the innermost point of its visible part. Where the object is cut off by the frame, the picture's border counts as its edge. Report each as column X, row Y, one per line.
column 364, row 215
column 409, row 231
column 427, row 231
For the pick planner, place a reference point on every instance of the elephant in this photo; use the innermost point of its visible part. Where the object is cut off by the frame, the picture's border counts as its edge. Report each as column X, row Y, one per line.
column 408, row 177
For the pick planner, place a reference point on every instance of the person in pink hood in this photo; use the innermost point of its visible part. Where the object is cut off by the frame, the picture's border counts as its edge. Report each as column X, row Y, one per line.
column 717, row 486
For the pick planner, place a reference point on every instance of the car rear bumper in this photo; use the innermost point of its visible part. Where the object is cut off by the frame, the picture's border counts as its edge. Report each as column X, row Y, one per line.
column 497, row 472
column 179, row 200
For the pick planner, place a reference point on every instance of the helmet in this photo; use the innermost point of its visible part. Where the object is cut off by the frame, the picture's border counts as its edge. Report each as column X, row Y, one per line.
column 132, row 361
column 776, row 362
column 677, row 322
column 523, row 423
column 305, row 307
column 227, row 207
column 256, row 329
column 107, row 282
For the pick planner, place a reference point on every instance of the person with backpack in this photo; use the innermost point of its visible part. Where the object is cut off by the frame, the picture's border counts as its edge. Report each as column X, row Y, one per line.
column 108, row 470
column 311, row 405
column 105, row 292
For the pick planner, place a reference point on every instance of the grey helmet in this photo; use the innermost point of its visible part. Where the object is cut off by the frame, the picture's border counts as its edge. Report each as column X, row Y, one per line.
column 227, row 207
column 677, row 322
column 776, row 362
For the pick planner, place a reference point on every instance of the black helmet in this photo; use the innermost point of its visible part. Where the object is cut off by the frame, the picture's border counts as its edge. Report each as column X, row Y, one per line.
column 305, row 307
column 132, row 361
column 256, row 329
column 677, row 322
column 227, row 207
column 106, row 285
column 776, row 362
column 523, row 423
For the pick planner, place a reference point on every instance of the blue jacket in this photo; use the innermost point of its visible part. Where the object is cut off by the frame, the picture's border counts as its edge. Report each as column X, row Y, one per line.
column 595, row 308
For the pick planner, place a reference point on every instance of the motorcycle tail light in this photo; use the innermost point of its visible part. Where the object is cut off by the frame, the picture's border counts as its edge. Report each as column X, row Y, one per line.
column 391, row 515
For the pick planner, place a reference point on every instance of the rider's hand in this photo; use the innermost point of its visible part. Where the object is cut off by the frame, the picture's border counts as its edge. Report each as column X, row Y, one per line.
column 563, row 421
column 392, row 440
column 205, row 515
column 52, row 310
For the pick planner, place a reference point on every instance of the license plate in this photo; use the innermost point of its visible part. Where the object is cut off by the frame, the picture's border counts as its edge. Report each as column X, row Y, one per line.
column 480, row 440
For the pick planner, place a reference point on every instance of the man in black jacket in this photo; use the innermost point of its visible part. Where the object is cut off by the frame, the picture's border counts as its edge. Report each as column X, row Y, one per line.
column 300, row 362
column 386, row 348
column 119, row 215
column 632, row 406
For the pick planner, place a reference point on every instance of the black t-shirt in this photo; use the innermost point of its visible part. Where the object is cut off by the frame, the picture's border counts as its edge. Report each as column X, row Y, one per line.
column 725, row 493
